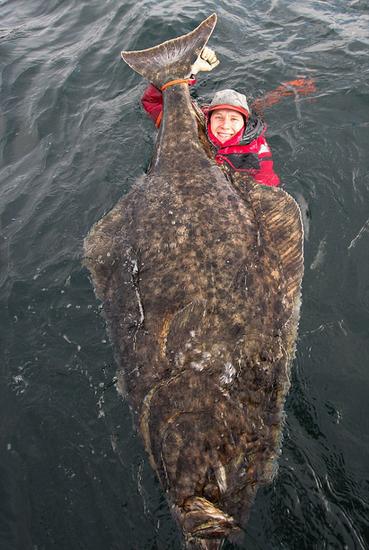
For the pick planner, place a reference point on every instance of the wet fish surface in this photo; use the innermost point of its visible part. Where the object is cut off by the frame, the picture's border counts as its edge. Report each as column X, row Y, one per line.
column 200, row 279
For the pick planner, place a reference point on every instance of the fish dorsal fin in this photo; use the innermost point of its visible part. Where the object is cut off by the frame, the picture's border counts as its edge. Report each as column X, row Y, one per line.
column 172, row 59
column 281, row 218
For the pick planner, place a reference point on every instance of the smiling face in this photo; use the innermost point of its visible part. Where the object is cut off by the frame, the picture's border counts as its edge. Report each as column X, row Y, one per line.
column 225, row 123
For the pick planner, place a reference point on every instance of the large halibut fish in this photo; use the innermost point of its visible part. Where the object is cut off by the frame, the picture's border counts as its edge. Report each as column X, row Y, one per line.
column 200, row 280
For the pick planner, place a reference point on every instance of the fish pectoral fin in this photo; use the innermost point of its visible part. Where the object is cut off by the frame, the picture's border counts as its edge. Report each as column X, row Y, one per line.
column 101, row 249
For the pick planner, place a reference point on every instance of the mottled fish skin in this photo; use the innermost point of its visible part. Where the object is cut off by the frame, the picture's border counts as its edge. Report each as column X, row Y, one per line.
column 200, row 279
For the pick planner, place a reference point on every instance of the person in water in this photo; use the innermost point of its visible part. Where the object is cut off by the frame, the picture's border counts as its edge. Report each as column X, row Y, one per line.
column 236, row 132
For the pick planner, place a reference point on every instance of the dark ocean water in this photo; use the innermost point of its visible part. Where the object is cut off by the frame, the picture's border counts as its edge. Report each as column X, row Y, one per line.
column 73, row 138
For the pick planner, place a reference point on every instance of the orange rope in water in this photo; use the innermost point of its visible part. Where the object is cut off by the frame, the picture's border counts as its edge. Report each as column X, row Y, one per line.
column 299, row 87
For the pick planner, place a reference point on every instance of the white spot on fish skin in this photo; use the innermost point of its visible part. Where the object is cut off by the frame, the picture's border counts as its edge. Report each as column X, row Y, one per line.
column 134, row 267
column 228, row 374
column 179, row 359
column 220, row 475
column 202, row 362
column 197, row 366
column 258, row 238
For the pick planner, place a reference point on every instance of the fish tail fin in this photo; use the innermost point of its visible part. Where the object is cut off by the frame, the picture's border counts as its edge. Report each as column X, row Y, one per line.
column 204, row 525
column 172, row 59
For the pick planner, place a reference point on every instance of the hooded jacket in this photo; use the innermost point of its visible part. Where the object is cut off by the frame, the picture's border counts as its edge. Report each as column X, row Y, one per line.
column 247, row 151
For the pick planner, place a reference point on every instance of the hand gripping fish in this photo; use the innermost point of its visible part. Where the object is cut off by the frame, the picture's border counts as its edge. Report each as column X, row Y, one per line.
column 200, row 280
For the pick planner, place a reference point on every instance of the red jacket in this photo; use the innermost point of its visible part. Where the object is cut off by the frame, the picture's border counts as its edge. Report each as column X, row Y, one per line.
column 247, row 151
